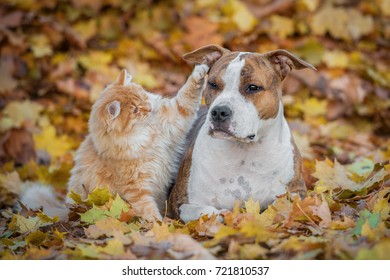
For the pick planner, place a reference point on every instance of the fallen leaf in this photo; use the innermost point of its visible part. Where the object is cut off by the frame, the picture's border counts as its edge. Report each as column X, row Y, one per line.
column 281, row 26
column 55, row 145
column 240, row 15
column 99, row 196
column 16, row 114
column 106, row 227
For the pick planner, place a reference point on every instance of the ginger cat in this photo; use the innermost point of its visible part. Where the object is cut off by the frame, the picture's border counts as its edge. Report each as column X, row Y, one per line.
column 134, row 145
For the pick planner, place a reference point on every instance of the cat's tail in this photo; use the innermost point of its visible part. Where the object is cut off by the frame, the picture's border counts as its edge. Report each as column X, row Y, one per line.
column 36, row 195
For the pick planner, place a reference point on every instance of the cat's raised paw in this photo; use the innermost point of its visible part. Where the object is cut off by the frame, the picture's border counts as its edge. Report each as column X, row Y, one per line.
column 200, row 72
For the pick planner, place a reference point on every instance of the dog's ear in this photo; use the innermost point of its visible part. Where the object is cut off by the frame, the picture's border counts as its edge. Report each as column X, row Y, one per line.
column 284, row 61
column 206, row 55
column 124, row 78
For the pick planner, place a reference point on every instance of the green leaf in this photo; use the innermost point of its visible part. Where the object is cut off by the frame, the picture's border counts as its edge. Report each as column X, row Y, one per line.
column 118, row 206
column 92, row 215
column 373, row 220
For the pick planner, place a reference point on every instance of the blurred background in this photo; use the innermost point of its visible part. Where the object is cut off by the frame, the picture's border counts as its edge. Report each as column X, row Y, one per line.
column 57, row 56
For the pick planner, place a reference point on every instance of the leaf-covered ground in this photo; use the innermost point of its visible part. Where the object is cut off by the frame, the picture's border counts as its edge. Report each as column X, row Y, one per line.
column 56, row 57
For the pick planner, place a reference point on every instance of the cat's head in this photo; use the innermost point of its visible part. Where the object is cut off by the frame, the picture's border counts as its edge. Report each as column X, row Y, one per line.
column 119, row 108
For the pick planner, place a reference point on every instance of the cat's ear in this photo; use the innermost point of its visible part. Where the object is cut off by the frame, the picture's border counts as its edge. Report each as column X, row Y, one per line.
column 113, row 109
column 124, row 78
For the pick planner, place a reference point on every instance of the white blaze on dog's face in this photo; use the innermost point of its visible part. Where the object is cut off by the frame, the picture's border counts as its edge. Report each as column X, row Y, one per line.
column 231, row 114
column 243, row 90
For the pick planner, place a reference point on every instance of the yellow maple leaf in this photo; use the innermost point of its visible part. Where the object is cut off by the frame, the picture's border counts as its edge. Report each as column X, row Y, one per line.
column 40, row 45
column 252, row 207
column 161, row 232
column 335, row 59
column 114, row 247
column 16, row 113
column 281, row 26
column 240, row 15
column 313, row 107
column 55, row 145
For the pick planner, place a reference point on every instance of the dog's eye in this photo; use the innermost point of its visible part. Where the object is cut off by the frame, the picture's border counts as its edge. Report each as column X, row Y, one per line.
column 254, row 88
column 213, row 85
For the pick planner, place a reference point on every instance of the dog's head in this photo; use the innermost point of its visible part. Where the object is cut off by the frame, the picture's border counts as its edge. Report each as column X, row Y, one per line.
column 243, row 89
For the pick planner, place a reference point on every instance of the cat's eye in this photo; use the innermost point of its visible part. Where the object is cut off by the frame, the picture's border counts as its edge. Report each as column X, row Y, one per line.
column 254, row 88
column 136, row 110
column 213, row 85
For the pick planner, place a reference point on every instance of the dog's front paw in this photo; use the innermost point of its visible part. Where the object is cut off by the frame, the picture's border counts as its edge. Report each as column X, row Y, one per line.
column 200, row 72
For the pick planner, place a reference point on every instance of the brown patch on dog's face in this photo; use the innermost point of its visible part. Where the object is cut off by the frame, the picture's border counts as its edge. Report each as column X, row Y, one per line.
column 258, row 72
column 215, row 77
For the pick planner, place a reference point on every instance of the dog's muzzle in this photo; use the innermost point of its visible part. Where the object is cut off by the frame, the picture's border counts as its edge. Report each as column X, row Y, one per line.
column 220, row 117
column 221, row 114
column 221, row 124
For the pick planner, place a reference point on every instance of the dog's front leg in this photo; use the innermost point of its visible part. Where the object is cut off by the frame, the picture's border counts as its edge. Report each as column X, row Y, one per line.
column 190, row 212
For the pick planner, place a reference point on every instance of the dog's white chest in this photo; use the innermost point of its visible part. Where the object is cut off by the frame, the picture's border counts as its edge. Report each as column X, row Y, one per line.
column 224, row 171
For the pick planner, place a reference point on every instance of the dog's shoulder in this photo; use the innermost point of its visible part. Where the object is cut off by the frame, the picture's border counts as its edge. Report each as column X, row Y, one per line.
column 179, row 194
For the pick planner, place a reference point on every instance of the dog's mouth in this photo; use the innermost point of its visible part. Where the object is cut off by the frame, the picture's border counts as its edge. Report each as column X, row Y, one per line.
column 221, row 133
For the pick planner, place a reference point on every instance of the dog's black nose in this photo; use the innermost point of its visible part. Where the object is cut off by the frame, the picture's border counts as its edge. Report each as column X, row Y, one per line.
column 221, row 113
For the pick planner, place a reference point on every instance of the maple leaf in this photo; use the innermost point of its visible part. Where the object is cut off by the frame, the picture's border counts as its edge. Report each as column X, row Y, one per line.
column 161, row 231
column 333, row 176
column 98, row 197
column 381, row 251
column 40, row 45
column 7, row 82
column 16, row 114
column 252, row 207
column 240, row 15
column 36, row 238
column 55, row 145
column 118, row 206
column 366, row 222
column 23, row 225
column 107, row 227
column 114, row 247
column 93, row 215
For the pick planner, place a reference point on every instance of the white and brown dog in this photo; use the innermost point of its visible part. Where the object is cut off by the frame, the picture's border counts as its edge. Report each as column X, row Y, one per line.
column 243, row 146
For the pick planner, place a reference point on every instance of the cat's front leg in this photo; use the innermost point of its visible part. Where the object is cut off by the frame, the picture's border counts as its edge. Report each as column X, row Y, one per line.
column 144, row 206
column 187, row 101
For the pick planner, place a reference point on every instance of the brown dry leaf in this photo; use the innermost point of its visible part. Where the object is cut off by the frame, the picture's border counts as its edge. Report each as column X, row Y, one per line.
column 7, row 82
column 188, row 247
column 201, row 31
column 323, row 212
column 18, row 146
column 350, row 88
column 73, row 88
column 106, row 227
column 333, row 176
